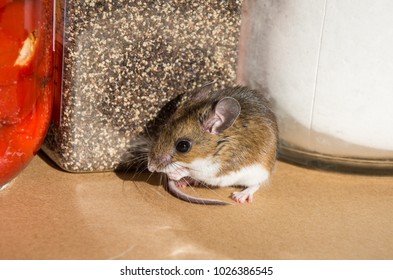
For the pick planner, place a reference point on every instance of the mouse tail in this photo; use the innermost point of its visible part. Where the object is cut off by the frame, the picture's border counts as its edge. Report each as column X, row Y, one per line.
column 175, row 191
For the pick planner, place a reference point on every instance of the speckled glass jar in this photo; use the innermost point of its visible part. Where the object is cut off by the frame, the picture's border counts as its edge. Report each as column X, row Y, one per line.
column 122, row 61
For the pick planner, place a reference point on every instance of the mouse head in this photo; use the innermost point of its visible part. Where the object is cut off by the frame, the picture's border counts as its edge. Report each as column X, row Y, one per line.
column 192, row 133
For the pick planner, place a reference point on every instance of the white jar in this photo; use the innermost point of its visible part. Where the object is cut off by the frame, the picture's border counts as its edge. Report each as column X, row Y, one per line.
column 328, row 68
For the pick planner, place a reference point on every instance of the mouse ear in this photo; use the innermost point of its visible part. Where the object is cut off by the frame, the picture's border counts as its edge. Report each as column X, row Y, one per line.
column 202, row 92
column 222, row 116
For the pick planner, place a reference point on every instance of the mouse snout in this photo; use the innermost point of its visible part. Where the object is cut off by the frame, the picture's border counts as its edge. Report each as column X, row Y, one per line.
column 151, row 167
column 159, row 164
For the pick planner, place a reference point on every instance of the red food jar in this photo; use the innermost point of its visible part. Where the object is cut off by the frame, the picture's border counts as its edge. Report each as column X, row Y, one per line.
column 26, row 83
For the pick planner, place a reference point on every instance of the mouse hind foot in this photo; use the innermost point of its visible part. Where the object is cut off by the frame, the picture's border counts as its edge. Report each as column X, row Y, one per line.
column 245, row 196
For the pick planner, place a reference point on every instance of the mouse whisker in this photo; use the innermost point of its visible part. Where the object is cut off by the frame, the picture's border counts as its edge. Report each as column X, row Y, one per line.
column 136, row 156
column 138, row 165
column 192, row 169
column 141, row 161
column 177, row 167
column 150, row 175
column 148, row 134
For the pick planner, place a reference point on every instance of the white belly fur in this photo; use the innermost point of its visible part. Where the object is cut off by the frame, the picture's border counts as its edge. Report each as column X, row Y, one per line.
column 250, row 176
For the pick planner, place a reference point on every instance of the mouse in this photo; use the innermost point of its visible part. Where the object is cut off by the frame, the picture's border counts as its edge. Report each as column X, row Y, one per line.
column 220, row 138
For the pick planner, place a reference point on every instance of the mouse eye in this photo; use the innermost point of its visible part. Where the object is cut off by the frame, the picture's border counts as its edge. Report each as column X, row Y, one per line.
column 183, row 146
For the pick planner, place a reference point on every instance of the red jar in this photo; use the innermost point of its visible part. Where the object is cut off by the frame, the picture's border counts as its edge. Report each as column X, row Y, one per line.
column 26, row 84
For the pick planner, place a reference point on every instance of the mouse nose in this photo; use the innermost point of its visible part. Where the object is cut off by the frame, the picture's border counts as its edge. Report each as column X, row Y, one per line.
column 151, row 166
column 157, row 165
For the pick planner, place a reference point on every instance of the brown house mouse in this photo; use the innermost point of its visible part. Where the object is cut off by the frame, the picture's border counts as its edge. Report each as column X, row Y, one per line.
column 219, row 138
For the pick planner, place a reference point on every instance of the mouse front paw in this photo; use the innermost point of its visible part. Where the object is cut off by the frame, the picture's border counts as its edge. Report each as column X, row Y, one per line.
column 186, row 182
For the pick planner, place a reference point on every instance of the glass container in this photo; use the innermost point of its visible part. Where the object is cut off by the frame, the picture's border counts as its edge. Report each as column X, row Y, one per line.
column 327, row 68
column 26, row 85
